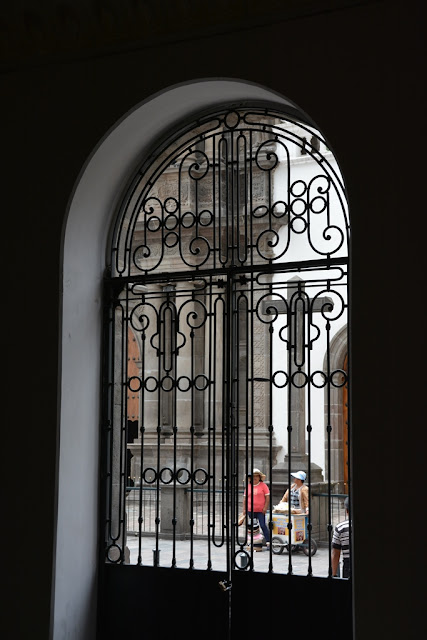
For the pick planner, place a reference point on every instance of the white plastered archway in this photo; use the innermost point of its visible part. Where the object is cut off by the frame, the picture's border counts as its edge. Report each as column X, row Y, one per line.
column 90, row 213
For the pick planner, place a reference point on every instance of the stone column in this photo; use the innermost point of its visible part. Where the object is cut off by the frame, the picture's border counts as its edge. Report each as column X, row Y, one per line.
column 181, row 513
column 297, row 459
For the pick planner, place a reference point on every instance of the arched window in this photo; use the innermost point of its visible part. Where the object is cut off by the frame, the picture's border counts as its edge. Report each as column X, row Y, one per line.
column 226, row 292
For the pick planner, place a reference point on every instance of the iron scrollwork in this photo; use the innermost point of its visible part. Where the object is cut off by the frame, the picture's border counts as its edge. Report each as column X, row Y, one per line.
column 229, row 266
column 214, row 201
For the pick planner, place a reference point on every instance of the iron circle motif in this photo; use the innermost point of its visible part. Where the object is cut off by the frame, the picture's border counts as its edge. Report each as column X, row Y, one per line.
column 260, row 211
column 188, row 220
column 294, row 381
column 339, row 383
column 279, row 209
column 149, row 475
column 151, row 380
column 171, row 222
column 232, row 119
column 167, row 383
column 320, row 374
column 276, row 384
column 180, row 386
column 171, row 205
column 204, row 382
column 205, row 218
column 166, row 475
column 322, row 206
column 171, row 239
column 153, row 224
column 242, row 560
column 298, row 207
column 183, row 475
column 117, row 550
column 298, row 225
column 200, row 476
column 139, row 386
column 298, row 188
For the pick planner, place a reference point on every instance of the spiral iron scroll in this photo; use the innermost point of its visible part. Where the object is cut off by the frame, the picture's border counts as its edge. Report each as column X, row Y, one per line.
column 210, row 199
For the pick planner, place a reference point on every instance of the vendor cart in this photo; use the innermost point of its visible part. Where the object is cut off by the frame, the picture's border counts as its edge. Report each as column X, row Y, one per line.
column 299, row 534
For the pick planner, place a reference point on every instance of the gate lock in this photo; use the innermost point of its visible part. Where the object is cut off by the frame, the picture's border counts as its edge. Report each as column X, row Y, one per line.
column 224, row 585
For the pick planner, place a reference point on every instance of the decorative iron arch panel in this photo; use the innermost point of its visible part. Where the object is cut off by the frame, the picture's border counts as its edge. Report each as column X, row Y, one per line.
column 229, row 269
column 212, row 198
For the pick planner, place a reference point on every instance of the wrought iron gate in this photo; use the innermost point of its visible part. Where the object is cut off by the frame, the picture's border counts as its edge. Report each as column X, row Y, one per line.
column 228, row 283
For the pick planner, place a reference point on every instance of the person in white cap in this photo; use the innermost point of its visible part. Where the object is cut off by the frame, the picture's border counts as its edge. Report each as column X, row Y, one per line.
column 299, row 493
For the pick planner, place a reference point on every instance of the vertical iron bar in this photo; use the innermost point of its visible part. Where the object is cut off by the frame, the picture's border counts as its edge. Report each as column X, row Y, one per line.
column 232, row 199
column 193, row 399
column 124, row 441
column 290, row 333
column 234, row 422
column 214, row 229
column 247, row 401
column 159, row 428
column 229, row 399
column 209, row 417
column 328, row 430
column 309, row 400
column 270, row 431
column 349, row 413
column 141, row 517
column 250, row 453
column 174, row 348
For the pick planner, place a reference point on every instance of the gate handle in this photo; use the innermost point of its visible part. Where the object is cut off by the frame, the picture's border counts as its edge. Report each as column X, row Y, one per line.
column 224, row 585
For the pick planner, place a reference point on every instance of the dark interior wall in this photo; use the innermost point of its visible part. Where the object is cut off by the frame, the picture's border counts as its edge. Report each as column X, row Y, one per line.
column 359, row 73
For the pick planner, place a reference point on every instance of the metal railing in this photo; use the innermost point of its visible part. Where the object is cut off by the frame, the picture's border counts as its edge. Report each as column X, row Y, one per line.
column 148, row 510
column 148, row 504
column 320, row 513
column 213, row 512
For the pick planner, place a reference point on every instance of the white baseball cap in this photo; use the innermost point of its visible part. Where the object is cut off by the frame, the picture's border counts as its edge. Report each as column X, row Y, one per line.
column 301, row 475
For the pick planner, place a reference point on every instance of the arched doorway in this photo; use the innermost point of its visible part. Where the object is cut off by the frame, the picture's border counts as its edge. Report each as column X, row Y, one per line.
column 89, row 218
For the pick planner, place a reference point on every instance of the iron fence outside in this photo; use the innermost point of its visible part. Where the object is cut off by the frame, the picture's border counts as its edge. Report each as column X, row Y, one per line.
column 148, row 506
column 338, row 513
column 147, row 502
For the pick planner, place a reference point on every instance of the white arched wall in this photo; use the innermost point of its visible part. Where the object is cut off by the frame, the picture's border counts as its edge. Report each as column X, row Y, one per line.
column 90, row 214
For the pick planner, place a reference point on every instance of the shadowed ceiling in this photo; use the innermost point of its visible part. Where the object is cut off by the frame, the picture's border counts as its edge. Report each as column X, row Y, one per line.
column 34, row 32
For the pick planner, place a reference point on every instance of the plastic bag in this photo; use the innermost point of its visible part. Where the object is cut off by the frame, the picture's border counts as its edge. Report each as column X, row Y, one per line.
column 282, row 507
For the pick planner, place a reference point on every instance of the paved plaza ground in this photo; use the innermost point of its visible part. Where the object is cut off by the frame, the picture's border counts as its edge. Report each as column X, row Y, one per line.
column 198, row 549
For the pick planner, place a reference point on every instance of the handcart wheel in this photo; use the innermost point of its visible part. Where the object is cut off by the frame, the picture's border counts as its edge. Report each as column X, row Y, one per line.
column 277, row 545
column 313, row 547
